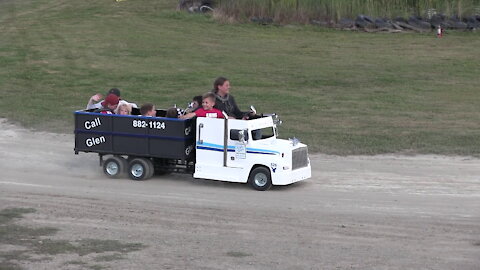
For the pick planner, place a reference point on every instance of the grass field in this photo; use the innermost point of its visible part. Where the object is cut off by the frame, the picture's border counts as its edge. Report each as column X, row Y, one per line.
column 340, row 92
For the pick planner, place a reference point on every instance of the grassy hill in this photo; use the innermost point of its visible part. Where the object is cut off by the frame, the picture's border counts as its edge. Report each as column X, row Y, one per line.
column 340, row 92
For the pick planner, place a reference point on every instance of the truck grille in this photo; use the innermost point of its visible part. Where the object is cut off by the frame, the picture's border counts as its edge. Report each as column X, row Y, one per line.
column 299, row 158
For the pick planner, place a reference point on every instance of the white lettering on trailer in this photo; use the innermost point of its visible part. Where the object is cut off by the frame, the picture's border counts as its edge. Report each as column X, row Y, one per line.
column 150, row 124
column 94, row 141
column 139, row 123
column 157, row 125
column 93, row 124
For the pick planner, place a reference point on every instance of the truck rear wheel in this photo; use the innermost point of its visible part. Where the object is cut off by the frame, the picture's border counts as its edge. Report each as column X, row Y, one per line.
column 140, row 169
column 114, row 166
column 260, row 179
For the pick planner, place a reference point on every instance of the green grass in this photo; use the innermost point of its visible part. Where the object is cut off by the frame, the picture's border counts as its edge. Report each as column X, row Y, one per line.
column 340, row 92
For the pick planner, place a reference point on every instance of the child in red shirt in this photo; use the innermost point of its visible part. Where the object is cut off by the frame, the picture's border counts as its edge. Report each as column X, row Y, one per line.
column 207, row 110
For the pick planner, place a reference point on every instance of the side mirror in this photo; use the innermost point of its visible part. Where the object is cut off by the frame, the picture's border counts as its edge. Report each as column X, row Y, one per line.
column 252, row 109
column 239, row 135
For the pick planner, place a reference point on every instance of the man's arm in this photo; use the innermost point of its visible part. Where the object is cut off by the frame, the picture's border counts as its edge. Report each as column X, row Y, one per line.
column 236, row 111
column 93, row 102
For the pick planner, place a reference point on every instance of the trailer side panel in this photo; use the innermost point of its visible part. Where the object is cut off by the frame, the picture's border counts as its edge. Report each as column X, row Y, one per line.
column 134, row 135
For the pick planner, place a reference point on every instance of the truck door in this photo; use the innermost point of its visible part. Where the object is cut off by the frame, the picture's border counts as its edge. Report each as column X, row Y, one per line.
column 218, row 157
column 237, row 148
column 210, row 141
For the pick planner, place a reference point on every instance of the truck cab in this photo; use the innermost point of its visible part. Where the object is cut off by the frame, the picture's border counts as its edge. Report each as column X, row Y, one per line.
column 248, row 151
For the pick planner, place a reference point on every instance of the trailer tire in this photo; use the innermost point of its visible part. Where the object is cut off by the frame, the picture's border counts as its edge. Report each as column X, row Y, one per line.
column 260, row 179
column 114, row 166
column 152, row 168
column 140, row 169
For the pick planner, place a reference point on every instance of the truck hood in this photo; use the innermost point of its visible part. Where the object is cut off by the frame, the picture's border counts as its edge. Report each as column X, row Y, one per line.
column 278, row 145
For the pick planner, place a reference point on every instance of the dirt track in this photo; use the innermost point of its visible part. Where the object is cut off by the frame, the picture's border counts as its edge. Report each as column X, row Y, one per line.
column 382, row 212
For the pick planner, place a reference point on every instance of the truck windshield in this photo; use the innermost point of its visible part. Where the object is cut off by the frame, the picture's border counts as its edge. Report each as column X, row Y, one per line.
column 263, row 133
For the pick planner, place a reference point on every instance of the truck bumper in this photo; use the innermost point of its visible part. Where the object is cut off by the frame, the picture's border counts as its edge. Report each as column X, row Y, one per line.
column 289, row 177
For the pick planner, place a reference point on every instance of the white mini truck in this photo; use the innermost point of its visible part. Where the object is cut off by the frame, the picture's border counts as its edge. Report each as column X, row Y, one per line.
column 244, row 151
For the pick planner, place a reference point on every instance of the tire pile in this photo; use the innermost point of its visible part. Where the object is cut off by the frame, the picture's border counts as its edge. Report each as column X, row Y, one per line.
column 363, row 22
column 413, row 23
column 196, row 6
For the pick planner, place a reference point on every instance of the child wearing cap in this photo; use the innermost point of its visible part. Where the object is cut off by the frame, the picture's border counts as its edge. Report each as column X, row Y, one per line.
column 109, row 104
column 94, row 102
column 207, row 110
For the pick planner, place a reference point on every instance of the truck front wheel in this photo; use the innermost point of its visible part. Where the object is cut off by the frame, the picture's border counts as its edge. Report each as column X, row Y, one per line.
column 260, row 179
column 140, row 169
column 114, row 167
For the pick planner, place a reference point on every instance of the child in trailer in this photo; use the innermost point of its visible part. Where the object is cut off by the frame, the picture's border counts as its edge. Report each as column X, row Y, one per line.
column 195, row 104
column 123, row 108
column 109, row 104
column 148, row 109
column 95, row 102
column 207, row 110
column 172, row 113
